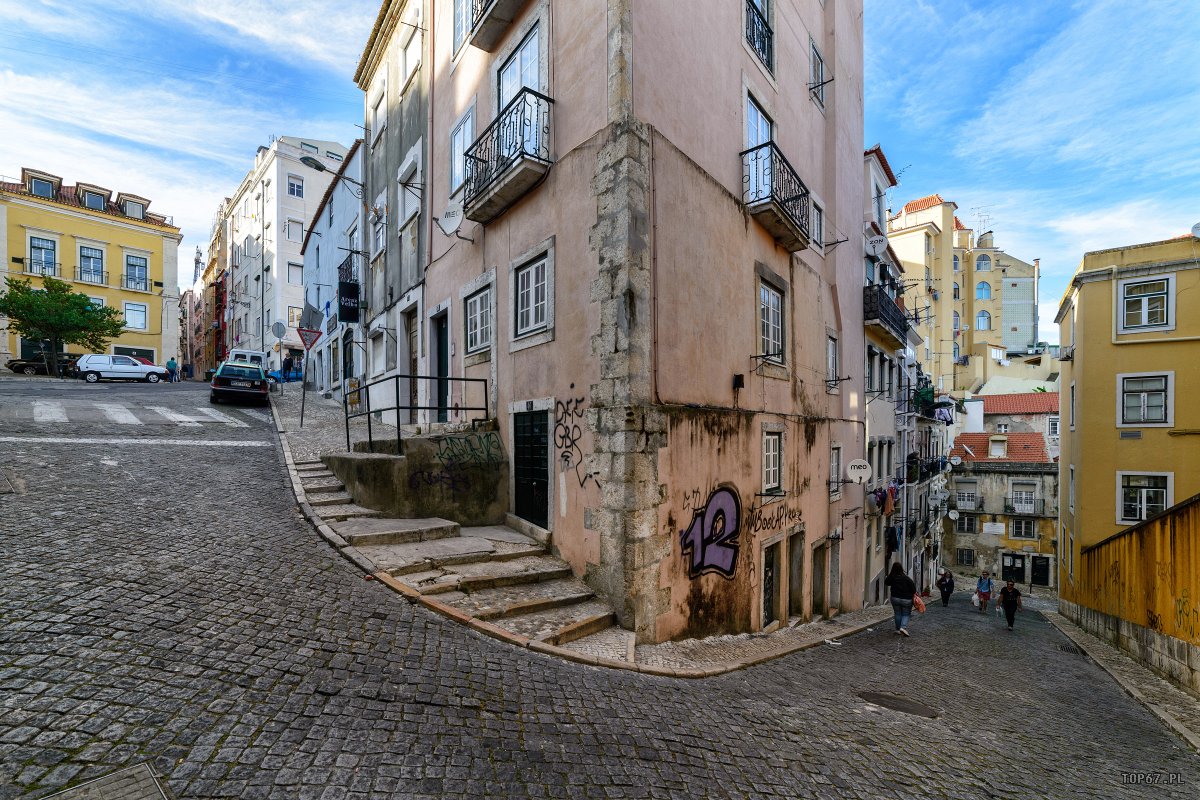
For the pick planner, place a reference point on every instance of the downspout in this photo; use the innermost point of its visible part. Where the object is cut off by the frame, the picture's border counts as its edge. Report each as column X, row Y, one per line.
column 653, row 278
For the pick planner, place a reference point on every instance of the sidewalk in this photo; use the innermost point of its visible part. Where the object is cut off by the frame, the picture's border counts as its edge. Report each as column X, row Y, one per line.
column 324, row 431
column 1177, row 708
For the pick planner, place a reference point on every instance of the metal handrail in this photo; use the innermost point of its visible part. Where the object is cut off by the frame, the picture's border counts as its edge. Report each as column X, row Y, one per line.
column 98, row 277
column 361, row 393
column 521, row 129
column 759, row 34
column 135, row 283
column 348, row 269
column 43, row 268
column 767, row 175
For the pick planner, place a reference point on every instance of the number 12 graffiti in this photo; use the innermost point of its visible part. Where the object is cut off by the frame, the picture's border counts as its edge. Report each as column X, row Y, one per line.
column 712, row 538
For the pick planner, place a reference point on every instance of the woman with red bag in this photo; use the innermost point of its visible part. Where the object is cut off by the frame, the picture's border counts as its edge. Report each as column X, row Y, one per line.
column 903, row 593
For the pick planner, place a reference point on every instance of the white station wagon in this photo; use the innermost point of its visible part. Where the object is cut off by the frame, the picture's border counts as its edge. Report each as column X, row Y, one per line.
column 120, row 368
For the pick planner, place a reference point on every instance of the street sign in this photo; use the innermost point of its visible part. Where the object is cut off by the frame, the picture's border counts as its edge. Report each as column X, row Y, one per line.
column 279, row 329
column 858, row 471
column 308, row 336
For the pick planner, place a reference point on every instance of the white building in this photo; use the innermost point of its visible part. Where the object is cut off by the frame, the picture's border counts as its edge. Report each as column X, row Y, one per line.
column 265, row 221
column 333, row 261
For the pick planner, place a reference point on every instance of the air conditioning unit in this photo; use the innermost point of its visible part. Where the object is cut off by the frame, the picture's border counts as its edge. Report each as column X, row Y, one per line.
column 966, row 327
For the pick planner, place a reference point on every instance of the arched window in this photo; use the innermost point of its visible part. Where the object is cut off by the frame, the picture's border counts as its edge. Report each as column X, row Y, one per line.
column 983, row 291
column 957, row 321
column 956, row 297
column 983, row 321
column 956, row 263
column 956, row 351
column 983, row 263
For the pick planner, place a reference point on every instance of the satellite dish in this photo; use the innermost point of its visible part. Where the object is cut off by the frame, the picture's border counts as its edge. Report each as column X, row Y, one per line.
column 955, row 460
column 858, row 471
column 876, row 245
column 451, row 219
column 1196, row 230
column 952, row 514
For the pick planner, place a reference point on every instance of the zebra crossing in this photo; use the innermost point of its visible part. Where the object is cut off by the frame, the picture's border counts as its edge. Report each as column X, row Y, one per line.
column 127, row 416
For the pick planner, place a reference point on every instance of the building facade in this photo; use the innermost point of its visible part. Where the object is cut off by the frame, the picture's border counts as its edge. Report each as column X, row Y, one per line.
column 264, row 224
column 1130, row 336
column 106, row 244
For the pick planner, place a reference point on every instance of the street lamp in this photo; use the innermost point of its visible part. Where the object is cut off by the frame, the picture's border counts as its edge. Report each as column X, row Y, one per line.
column 315, row 164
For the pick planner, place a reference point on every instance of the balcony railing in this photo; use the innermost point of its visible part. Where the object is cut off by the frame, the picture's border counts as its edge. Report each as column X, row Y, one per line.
column 348, row 269
column 48, row 269
column 138, row 283
column 510, row 157
column 967, row 502
column 91, row 276
column 1018, row 505
column 490, row 19
column 759, row 35
column 881, row 311
column 775, row 195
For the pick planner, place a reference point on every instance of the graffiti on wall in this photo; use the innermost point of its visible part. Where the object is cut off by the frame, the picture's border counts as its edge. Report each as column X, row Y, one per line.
column 448, row 480
column 568, row 430
column 471, row 450
column 773, row 517
column 710, row 543
column 1187, row 614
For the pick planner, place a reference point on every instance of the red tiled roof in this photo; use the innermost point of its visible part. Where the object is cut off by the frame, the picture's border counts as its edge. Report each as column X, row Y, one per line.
column 883, row 162
column 1029, row 448
column 958, row 226
column 67, row 196
column 1024, row 403
column 922, row 203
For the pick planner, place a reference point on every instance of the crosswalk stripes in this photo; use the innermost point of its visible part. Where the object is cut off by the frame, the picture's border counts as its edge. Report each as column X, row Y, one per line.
column 212, row 413
column 121, row 414
column 115, row 412
column 182, row 419
column 48, row 411
column 261, row 416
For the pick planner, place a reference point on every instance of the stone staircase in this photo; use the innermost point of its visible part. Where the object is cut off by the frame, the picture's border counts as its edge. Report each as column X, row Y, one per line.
column 489, row 572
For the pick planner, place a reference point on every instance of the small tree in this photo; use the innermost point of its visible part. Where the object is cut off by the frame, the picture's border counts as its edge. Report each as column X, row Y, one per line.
column 59, row 315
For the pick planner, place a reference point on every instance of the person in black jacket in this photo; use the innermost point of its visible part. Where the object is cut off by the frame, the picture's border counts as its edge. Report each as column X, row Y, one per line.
column 903, row 590
column 945, row 584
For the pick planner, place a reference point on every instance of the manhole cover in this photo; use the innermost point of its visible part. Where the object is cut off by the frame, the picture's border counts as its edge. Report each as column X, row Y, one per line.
column 1070, row 648
column 898, row 703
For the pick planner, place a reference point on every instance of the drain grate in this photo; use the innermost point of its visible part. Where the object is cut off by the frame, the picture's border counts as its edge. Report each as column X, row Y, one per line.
column 898, row 703
column 1070, row 648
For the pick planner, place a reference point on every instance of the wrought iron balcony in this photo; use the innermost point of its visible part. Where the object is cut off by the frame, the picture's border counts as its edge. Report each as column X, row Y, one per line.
column 138, row 283
column 775, row 195
column 759, row 34
column 91, row 276
column 47, row 269
column 348, row 269
column 880, row 311
column 509, row 158
column 1019, row 505
column 490, row 19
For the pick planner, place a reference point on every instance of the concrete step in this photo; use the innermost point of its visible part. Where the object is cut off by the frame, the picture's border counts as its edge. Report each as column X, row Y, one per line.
column 323, row 488
column 443, row 554
column 511, row 601
column 563, row 624
column 345, row 511
column 475, row 576
column 310, row 463
column 387, row 530
column 330, row 499
column 317, row 477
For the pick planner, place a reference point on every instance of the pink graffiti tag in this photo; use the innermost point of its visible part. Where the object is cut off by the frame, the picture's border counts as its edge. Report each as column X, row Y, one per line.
column 712, row 538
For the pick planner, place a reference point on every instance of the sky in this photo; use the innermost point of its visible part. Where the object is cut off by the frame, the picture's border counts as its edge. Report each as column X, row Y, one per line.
column 1069, row 126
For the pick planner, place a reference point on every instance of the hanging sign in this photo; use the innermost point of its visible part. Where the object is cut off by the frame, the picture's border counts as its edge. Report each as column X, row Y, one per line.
column 347, row 301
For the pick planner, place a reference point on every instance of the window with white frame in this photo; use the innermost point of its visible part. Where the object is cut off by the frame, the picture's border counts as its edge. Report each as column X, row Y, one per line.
column 309, row 147
column 965, row 494
column 295, row 186
column 522, row 69
column 1144, row 399
column 412, row 54
column 1071, row 418
column 1147, row 304
column 91, row 264
column 134, row 209
column 983, row 291
column 1024, row 529
column 43, row 256
column 135, row 316
column 965, row 523
column 531, row 297
column 98, row 301
column 41, row 187
column 93, row 200
column 983, row 263
column 771, row 458
column 1002, row 427
column 295, row 274
column 983, row 321
column 770, row 315
column 295, row 230
column 956, row 268
column 997, row 447
column 1052, row 425
column 1143, row 496
column 378, row 235
column 869, row 372
column 378, row 362
column 137, row 273
column 294, row 313
column 479, row 320
column 1071, row 488
column 379, row 114
column 832, row 361
column 460, row 139
column 835, row 471
column 879, row 198
column 817, row 75
column 333, row 155
column 462, row 22
column 409, row 198
column 817, row 226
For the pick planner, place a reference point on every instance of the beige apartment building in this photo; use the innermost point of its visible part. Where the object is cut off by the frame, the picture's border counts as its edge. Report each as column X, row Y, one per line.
column 652, row 251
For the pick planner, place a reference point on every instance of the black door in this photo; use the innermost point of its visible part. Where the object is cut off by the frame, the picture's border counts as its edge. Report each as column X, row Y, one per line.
column 771, row 584
column 1040, row 571
column 1012, row 568
column 441, row 332
column 531, row 463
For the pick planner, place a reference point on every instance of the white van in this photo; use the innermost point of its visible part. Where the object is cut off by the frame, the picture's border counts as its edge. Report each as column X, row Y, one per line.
column 121, row 368
column 256, row 357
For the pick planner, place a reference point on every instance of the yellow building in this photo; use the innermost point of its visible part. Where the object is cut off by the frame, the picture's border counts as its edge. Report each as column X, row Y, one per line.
column 1130, row 331
column 107, row 245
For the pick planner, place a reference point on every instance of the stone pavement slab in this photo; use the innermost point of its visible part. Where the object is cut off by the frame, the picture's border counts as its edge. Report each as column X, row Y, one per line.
column 132, row 783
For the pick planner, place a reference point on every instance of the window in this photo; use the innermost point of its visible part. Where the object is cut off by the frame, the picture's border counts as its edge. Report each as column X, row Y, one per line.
column 869, row 270
column 817, row 226
column 1071, row 488
column 378, row 117
column 135, row 316
column 460, row 140
column 956, row 267
column 983, row 263
column 295, row 186
column 997, row 447
column 294, row 316
column 308, row 148
column 1024, row 529
column 770, row 314
column 333, row 155
column 772, row 456
column 1143, row 496
column 1147, row 304
column 957, row 295
column 878, row 196
column 1071, row 553
column 1052, row 425
column 956, row 351
column 835, row 471
column 41, row 187
column 520, row 70
column 479, row 320
column 97, row 301
column 869, row 372
column 758, row 124
column 295, row 230
column 91, row 264
column 462, row 22
column 137, row 273
column 379, row 235
column 965, row 524
column 531, row 297
column 409, row 198
column 983, row 291
column 1144, row 399
column 295, row 274
column 378, row 361
column 412, row 55
column 832, row 361
column 1072, row 407
column 329, row 216
column 135, row 210
column 983, row 321
column 965, row 496
column 43, row 256
column 966, row 557
column 1002, row 427
column 1024, row 498
column 93, row 200
column 957, row 319
column 817, row 84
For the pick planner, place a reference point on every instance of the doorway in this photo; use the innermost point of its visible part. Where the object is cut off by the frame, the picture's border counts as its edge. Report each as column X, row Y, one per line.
column 819, row 570
column 796, row 575
column 531, row 466
column 410, row 331
column 441, row 335
column 1012, row 568
column 1040, row 571
column 771, row 597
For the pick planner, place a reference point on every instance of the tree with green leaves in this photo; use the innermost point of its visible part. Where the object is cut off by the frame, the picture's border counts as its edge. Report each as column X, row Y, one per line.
column 55, row 313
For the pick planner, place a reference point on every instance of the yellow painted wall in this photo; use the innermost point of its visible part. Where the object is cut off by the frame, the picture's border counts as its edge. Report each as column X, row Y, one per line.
column 73, row 226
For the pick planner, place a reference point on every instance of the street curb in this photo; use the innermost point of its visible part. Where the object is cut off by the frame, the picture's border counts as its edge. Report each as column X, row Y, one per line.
column 1185, row 733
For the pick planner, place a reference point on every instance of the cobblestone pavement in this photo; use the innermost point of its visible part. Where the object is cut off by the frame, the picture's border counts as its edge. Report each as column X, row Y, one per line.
column 166, row 603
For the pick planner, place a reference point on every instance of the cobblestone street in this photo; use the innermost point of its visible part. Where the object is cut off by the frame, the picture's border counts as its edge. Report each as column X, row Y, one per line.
column 167, row 603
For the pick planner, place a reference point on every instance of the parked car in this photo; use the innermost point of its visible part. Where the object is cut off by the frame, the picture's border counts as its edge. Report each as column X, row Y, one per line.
column 93, row 368
column 235, row 380
column 145, row 361
column 38, row 366
column 276, row 375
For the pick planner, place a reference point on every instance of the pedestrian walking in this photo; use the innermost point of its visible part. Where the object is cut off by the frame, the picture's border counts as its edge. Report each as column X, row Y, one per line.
column 288, row 363
column 903, row 591
column 172, row 370
column 945, row 584
column 984, row 588
column 1010, row 600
